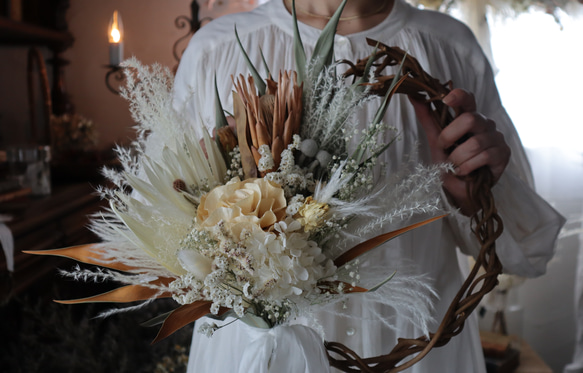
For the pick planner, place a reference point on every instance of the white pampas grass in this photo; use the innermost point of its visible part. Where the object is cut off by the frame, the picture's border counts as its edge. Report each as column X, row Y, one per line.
column 148, row 215
column 329, row 104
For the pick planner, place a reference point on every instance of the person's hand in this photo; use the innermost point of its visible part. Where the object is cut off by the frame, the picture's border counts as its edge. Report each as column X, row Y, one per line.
column 481, row 144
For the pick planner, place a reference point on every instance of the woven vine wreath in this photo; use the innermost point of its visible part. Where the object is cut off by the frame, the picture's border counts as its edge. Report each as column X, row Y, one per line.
column 486, row 223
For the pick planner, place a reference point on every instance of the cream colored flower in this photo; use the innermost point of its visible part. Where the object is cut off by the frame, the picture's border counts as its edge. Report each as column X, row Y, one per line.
column 311, row 215
column 243, row 205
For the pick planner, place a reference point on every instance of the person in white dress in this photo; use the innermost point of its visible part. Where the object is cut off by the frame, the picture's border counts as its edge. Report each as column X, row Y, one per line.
column 448, row 51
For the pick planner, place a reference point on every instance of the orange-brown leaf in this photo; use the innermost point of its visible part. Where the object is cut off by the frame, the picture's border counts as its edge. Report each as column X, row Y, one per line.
column 126, row 294
column 368, row 245
column 276, row 150
column 247, row 160
column 263, row 137
column 183, row 316
column 91, row 254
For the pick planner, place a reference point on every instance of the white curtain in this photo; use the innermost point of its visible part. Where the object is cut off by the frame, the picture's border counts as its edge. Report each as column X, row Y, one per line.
column 538, row 64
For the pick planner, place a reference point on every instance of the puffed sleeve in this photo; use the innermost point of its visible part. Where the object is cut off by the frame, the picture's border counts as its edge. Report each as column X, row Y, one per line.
column 531, row 225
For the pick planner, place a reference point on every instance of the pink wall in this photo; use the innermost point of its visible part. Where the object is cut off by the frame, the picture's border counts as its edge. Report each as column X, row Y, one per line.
column 149, row 35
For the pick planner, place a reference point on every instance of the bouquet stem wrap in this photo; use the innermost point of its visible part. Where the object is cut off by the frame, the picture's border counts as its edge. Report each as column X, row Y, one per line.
column 289, row 348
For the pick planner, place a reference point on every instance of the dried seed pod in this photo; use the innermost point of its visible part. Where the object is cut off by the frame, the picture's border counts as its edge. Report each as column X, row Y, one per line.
column 324, row 158
column 179, row 185
column 227, row 139
column 309, row 147
column 312, row 167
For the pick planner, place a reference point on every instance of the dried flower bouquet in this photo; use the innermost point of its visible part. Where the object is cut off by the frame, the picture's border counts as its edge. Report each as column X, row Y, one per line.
column 266, row 224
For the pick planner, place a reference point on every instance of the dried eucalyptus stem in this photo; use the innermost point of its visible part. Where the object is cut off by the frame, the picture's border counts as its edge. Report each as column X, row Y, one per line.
column 487, row 224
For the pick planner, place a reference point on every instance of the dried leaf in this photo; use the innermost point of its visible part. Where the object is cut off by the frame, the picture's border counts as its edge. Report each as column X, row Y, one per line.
column 323, row 54
column 125, row 294
column 247, row 160
column 298, row 47
column 259, row 83
column 374, row 242
column 90, row 254
column 181, row 317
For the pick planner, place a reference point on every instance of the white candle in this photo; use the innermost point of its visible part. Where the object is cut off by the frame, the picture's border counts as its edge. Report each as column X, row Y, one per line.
column 115, row 53
column 115, row 36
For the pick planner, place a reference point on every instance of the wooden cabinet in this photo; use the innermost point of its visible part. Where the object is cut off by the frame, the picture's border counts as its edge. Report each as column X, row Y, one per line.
column 59, row 220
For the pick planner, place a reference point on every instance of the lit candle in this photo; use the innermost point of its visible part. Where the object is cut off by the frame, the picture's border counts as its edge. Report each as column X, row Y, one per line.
column 115, row 39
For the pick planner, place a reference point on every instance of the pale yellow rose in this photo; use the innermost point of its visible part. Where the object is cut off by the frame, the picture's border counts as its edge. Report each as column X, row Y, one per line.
column 248, row 204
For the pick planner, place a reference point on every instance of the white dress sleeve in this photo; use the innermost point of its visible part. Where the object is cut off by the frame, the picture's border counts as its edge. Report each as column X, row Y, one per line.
column 531, row 225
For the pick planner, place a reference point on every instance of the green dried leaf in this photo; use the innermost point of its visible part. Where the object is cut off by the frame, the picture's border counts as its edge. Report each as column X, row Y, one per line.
column 385, row 104
column 324, row 50
column 376, row 287
column 299, row 52
column 265, row 65
column 259, row 82
column 220, row 118
column 158, row 320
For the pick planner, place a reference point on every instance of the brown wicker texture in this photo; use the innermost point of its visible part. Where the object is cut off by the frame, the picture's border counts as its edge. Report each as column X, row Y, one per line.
column 487, row 226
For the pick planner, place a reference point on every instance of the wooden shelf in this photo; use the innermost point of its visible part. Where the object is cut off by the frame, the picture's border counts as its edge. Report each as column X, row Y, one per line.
column 19, row 33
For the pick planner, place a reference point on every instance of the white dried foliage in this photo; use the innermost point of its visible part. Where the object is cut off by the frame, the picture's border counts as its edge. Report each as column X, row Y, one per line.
column 329, row 106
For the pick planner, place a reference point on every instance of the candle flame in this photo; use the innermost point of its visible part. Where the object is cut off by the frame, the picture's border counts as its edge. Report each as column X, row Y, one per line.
column 115, row 28
column 116, row 35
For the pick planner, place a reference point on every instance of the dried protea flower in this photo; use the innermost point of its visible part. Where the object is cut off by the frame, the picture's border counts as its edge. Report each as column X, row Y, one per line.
column 270, row 120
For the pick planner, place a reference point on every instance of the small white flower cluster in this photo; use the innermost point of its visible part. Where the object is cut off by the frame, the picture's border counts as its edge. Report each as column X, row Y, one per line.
column 294, row 205
column 235, row 168
column 361, row 181
column 186, row 289
column 208, row 329
column 219, row 287
column 275, row 313
column 266, row 161
column 198, row 240
column 362, row 162
column 292, row 178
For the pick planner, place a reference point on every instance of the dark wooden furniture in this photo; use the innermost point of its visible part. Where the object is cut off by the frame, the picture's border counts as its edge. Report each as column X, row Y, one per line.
column 43, row 24
column 59, row 220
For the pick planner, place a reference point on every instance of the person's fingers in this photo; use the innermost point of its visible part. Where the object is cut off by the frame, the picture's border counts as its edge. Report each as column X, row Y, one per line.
column 430, row 127
column 460, row 99
column 480, row 150
column 465, row 124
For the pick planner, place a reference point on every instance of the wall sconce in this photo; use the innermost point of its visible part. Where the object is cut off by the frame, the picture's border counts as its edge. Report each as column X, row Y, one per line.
column 115, row 36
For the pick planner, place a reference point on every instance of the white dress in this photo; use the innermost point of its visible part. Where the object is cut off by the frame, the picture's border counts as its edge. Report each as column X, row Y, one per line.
column 448, row 51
